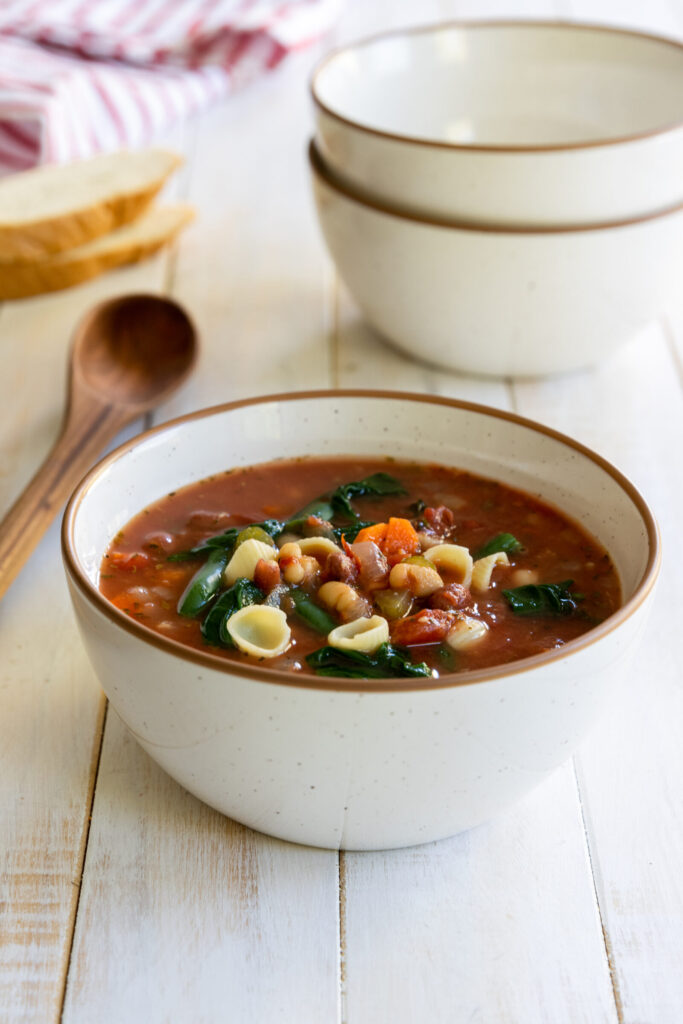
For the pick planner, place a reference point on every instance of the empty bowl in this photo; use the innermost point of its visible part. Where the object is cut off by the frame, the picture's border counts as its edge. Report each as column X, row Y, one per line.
column 357, row 763
column 504, row 301
column 507, row 122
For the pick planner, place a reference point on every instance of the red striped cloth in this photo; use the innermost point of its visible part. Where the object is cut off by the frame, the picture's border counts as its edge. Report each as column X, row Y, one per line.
column 81, row 76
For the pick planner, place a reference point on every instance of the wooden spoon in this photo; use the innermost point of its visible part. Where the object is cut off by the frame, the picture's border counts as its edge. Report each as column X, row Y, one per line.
column 129, row 354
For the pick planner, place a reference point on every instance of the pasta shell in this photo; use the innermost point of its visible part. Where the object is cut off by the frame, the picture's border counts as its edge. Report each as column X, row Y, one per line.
column 244, row 559
column 318, row 547
column 483, row 567
column 360, row 635
column 260, row 630
column 466, row 632
column 454, row 558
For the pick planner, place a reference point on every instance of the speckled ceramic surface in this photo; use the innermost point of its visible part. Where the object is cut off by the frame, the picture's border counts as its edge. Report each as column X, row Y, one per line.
column 507, row 123
column 348, row 763
column 499, row 302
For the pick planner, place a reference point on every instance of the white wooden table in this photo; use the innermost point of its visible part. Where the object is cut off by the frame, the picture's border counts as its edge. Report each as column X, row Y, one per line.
column 124, row 899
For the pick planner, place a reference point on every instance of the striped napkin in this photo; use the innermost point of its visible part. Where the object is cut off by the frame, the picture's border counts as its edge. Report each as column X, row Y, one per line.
column 81, row 76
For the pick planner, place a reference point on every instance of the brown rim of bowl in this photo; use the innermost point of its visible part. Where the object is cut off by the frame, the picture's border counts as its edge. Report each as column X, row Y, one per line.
column 320, row 169
column 483, row 24
column 272, row 675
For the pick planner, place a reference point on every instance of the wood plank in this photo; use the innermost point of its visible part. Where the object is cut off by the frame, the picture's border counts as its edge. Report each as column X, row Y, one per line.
column 630, row 765
column 253, row 273
column 52, row 707
column 497, row 924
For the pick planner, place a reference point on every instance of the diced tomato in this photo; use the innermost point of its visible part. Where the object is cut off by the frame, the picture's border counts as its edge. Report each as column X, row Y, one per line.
column 130, row 562
column 401, row 541
column 450, row 597
column 429, row 626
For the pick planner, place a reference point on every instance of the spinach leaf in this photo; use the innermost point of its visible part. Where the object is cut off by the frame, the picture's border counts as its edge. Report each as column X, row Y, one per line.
column 386, row 663
column 501, row 542
column 226, row 541
column 351, row 531
column 338, row 502
column 204, row 585
column 542, row 599
column 214, row 627
column 377, row 483
column 311, row 613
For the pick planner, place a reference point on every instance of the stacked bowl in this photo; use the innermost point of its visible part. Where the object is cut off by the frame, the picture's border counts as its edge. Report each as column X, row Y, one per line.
column 503, row 198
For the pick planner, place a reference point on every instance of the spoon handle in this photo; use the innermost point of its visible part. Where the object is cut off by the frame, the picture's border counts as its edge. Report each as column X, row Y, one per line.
column 88, row 426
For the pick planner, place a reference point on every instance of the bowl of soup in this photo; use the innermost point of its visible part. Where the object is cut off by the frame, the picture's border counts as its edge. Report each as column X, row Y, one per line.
column 507, row 123
column 358, row 619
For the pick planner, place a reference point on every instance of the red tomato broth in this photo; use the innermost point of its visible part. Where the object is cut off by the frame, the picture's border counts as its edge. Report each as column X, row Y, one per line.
column 137, row 577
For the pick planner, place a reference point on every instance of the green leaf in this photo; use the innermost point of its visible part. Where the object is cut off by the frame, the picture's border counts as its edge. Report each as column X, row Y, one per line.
column 226, row 541
column 542, row 599
column 501, row 542
column 214, row 627
column 388, row 662
column 320, row 507
column 377, row 483
column 311, row 613
column 338, row 502
column 351, row 531
column 204, row 585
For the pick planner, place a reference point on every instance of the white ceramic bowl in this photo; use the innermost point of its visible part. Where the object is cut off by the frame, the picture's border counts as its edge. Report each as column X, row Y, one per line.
column 507, row 122
column 349, row 763
column 506, row 301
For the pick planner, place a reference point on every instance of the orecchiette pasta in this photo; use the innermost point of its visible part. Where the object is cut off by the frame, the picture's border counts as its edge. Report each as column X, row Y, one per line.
column 243, row 561
column 483, row 567
column 260, row 630
column 453, row 557
column 466, row 632
column 361, row 635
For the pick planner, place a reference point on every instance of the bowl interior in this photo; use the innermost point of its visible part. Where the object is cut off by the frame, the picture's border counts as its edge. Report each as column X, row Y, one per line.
column 507, row 84
column 482, row 441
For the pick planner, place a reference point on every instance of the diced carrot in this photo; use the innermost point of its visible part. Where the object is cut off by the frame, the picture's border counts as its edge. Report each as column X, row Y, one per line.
column 131, row 561
column 376, row 533
column 400, row 540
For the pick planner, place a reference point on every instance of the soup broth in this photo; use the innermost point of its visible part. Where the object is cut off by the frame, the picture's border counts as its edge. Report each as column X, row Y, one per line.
column 359, row 567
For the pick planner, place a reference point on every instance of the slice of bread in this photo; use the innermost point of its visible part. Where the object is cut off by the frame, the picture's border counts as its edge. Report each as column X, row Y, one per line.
column 60, row 206
column 128, row 244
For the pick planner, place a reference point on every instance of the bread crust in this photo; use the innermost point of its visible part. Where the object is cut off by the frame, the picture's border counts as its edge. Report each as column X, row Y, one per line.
column 64, row 270
column 27, row 242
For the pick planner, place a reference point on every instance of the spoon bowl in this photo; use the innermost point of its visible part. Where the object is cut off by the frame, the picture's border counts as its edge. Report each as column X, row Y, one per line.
column 134, row 350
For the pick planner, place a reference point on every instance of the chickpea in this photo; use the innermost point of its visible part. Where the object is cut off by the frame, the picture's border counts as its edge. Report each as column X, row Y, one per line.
column 420, row 580
column 344, row 600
